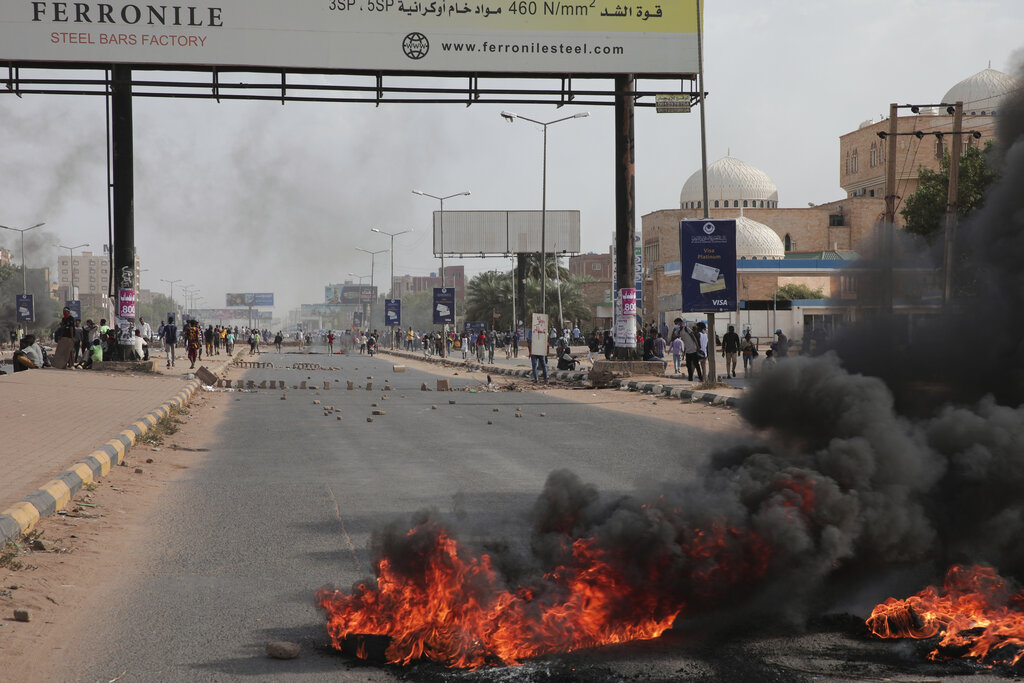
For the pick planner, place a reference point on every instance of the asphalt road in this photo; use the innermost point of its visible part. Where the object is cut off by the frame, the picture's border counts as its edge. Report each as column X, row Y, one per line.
column 287, row 498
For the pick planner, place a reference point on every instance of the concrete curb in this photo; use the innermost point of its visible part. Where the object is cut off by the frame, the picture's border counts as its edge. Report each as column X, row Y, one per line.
column 21, row 518
column 660, row 389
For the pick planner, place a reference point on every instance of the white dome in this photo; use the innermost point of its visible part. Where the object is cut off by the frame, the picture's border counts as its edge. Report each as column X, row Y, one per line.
column 757, row 240
column 982, row 92
column 732, row 180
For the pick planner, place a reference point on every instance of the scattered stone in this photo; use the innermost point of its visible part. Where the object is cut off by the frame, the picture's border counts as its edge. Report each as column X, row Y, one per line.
column 316, row 402
column 369, row 386
column 451, row 402
column 138, row 470
column 387, row 387
column 283, row 397
column 369, row 419
column 379, row 412
column 398, row 368
column 543, row 414
column 339, row 417
column 23, row 615
column 424, row 387
column 442, row 384
column 149, row 461
column 302, row 384
column 373, row 405
column 282, row 649
column 369, row 377
column 351, row 384
column 519, row 414
column 433, row 407
column 496, row 410
column 41, row 545
column 490, row 422
column 327, row 385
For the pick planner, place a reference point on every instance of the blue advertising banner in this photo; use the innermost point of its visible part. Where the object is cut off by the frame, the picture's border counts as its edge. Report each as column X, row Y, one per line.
column 75, row 306
column 26, row 310
column 707, row 251
column 444, row 305
column 392, row 312
column 474, row 327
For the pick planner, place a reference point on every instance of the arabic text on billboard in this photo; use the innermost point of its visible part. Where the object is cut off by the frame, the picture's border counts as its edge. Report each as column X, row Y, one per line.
column 707, row 250
column 592, row 36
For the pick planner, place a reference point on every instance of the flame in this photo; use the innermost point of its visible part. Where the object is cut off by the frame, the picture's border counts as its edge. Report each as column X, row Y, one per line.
column 453, row 607
column 975, row 612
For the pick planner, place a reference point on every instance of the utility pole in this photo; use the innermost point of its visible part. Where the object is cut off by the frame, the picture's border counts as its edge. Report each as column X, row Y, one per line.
column 952, row 201
column 885, row 237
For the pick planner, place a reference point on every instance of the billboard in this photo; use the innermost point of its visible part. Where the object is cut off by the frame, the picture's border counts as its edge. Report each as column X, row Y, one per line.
column 444, row 305
column 392, row 312
column 521, row 36
column 218, row 314
column 126, row 303
column 707, row 256
column 249, row 299
column 497, row 233
column 350, row 294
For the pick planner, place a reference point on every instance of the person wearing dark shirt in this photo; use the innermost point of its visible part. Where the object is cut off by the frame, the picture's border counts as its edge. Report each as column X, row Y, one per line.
column 730, row 350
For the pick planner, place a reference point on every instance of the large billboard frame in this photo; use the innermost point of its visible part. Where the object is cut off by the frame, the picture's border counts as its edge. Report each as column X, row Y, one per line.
column 522, row 37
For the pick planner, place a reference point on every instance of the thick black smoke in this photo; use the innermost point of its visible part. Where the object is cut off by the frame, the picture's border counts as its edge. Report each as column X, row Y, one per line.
column 841, row 480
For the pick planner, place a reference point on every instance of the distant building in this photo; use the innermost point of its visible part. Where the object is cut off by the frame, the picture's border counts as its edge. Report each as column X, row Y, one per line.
column 813, row 246
column 91, row 275
column 455, row 277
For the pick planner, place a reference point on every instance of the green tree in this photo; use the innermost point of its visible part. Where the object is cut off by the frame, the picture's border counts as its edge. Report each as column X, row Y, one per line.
column 796, row 291
column 489, row 296
column 491, row 293
column 156, row 310
column 924, row 211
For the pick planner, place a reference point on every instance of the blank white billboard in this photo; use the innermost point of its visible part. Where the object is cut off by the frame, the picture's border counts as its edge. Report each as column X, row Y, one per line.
column 496, row 233
column 517, row 36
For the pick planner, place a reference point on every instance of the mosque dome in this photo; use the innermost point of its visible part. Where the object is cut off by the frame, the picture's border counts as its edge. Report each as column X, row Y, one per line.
column 731, row 184
column 757, row 241
column 984, row 92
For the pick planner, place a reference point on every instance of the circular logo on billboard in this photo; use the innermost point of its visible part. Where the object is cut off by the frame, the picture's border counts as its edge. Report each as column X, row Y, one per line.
column 415, row 46
column 709, row 228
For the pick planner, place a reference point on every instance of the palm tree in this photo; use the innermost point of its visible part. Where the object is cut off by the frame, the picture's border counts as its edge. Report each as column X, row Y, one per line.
column 490, row 294
column 489, row 298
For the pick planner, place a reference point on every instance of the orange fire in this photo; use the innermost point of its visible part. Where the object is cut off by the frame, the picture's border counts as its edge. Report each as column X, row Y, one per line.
column 975, row 612
column 454, row 609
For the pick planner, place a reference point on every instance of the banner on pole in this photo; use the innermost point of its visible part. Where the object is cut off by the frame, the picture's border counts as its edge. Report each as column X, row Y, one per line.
column 444, row 305
column 707, row 256
column 26, row 308
column 392, row 312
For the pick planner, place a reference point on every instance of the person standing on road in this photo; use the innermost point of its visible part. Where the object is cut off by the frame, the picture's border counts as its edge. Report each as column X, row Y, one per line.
column 780, row 346
column 593, row 347
column 730, row 348
column 702, row 349
column 676, row 347
column 208, row 338
column 279, row 341
column 169, row 334
column 229, row 341
column 146, row 329
column 690, row 351
column 330, row 342
column 609, row 345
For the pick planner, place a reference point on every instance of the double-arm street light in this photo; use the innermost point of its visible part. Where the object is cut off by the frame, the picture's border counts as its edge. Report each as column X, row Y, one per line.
column 511, row 117
column 464, row 193
column 71, row 258
column 24, row 285
column 391, row 293
column 373, row 259
column 171, row 283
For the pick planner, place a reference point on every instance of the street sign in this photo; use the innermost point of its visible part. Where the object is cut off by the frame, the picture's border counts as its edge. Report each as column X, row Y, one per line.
column 707, row 250
column 672, row 104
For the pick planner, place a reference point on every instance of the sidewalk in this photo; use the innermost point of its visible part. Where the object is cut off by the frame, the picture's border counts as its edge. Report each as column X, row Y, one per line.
column 61, row 428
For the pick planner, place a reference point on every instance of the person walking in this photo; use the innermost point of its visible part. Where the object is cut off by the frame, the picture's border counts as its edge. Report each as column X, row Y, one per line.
column 730, row 349
column 193, row 341
column 539, row 361
column 676, row 347
column 609, row 345
column 690, row 352
column 593, row 347
column 748, row 347
column 170, row 337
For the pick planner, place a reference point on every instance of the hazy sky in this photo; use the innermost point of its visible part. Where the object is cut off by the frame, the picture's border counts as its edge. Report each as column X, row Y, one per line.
column 246, row 196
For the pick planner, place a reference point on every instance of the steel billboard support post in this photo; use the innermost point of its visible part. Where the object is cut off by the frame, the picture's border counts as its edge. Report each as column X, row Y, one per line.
column 123, row 252
column 391, row 291
column 625, row 220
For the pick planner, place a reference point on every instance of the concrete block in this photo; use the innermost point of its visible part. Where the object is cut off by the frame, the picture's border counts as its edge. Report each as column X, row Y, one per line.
column 302, row 384
column 239, row 384
column 327, row 385
column 263, row 384
column 351, row 385
column 369, row 386
column 379, row 412
column 398, row 368
column 442, row 384
column 205, row 376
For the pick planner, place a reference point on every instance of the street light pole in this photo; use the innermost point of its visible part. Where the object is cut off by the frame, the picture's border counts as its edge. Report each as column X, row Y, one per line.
column 391, row 292
column 544, row 199
column 171, row 283
column 360, row 278
column 24, row 281
column 71, row 256
column 464, row 193
column 373, row 260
